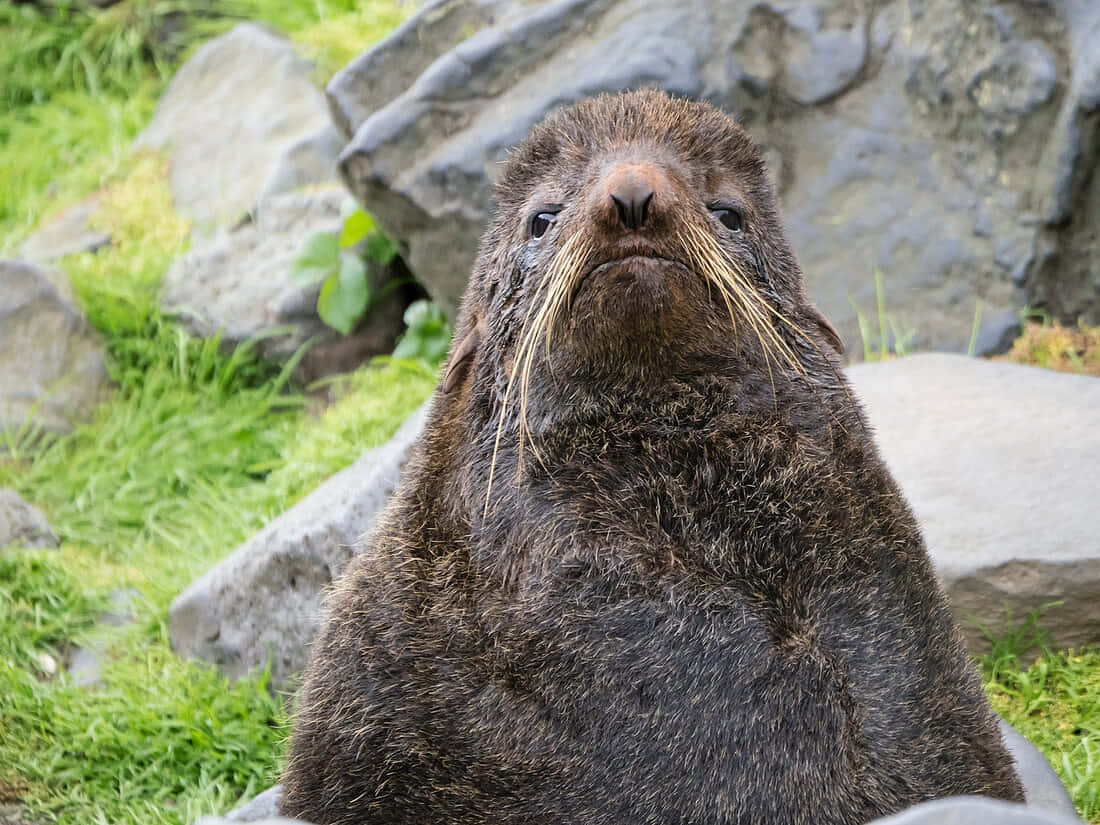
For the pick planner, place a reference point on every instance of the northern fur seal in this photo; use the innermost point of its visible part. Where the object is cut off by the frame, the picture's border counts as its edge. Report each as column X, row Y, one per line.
column 647, row 566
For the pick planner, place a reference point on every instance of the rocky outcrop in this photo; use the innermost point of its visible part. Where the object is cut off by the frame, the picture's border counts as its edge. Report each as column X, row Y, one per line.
column 263, row 602
column 23, row 524
column 950, row 144
column 242, row 120
column 975, row 810
column 1001, row 464
column 52, row 371
column 67, row 233
column 238, row 282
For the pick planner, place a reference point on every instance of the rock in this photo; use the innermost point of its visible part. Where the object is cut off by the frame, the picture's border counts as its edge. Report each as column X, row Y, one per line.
column 1042, row 787
column 1001, row 464
column 237, row 281
column 52, row 371
column 264, row 806
column 23, row 524
column 997, row 334
column 66, row 234
column 241, row 121
column 263, row 600
column 888, row 134
column 975, row 810
column 86, row 663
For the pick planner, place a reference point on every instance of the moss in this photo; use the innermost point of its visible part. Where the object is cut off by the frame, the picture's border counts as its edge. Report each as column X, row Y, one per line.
column 1056, row 347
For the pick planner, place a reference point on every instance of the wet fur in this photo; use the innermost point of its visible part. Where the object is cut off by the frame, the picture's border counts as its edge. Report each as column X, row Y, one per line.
column 697, row 596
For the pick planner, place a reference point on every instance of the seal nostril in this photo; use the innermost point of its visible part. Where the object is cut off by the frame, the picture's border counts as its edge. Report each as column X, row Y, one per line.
column 632, row 203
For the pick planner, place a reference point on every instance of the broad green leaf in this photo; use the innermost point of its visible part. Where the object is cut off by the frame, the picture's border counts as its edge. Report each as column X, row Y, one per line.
column 320, row 258
column 344, row 295
column 357, row 226
column 381, row 248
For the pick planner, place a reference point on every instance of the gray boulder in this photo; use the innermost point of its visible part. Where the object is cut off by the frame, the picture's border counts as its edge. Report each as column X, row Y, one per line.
column 1001, row 464
column 237, row 282
column 263, row 601
column 1043, row 789
column 52, row 371
column 975, row 810
column 240, row 121
column 948, row 143
column 23, row 524
column 65, row 234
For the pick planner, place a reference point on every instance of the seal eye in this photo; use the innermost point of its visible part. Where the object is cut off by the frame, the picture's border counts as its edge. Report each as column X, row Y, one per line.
column 731, row 218
column 541, row 222
column 543, row 219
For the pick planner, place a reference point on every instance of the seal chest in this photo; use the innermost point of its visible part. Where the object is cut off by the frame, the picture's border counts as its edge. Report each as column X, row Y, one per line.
column 647, row 565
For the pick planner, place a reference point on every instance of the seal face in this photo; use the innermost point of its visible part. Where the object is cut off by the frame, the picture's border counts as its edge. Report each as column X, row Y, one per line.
column 647, row 565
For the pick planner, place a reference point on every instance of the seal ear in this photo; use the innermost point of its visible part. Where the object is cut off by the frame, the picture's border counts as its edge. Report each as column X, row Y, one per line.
column 827, row 329
column 462, row 355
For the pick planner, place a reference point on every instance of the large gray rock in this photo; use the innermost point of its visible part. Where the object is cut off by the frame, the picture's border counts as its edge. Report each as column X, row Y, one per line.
column 240, row 121
column 23, row 524
column 67, row 233
column 52, row 372
column 949, row 143
column 1043, row 788
column 975, row 810
column 1001, row 463
column 237, row 282
column 263, row 600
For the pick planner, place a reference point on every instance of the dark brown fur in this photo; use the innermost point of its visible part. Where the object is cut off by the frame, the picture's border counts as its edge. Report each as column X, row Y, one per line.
column 695, row 596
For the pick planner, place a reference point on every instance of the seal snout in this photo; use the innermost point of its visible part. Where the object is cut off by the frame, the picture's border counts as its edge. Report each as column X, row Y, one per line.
column 632, row 192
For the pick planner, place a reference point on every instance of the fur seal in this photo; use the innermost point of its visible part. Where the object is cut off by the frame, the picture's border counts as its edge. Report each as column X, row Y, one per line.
column 647, row 566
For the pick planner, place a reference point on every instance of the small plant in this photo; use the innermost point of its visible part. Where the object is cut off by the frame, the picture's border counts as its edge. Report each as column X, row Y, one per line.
column 428, row 335
column 338, row 260
column 890, row 341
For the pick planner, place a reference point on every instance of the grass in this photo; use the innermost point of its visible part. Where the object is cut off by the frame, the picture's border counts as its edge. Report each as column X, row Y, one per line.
column 78, row 83
column 196, row 450
column 1055, row 703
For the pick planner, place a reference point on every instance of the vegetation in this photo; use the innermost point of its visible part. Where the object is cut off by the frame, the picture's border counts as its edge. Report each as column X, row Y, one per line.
column 338, row 261
column 1049, row 344
column 1055, row 703
column 199, row 447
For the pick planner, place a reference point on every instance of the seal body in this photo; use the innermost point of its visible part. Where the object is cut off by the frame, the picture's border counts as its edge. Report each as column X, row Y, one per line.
column 647, row 565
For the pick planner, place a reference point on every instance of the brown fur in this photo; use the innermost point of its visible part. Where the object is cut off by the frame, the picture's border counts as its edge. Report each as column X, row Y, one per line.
column 691, row 593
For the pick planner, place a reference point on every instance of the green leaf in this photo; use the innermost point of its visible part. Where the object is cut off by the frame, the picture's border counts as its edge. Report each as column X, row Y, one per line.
column 428, row 335
column 319, row 259
column 357, row 226
column 344, row 295
column 381, row 248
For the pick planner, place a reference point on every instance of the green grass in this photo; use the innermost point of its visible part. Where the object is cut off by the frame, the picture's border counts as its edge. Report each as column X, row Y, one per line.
column 1055, row 703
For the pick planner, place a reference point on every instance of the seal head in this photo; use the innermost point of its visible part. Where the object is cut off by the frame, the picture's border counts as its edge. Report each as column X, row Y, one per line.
column 647, row 565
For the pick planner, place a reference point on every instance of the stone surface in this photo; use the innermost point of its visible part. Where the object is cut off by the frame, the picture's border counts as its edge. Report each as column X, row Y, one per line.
column 1001, row 464
column 975, row 810
column 237, row 281
column 84, row 664
column 241, row 120
column 950, row 144
column 23, row 524
column 65, row 234
column 262, row 807
column 263, row 600
column 1042, row 787
column 52, row 371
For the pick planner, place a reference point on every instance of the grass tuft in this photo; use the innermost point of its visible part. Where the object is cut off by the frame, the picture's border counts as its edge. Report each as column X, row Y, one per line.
column 1055, row 703
column 1066, row 349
